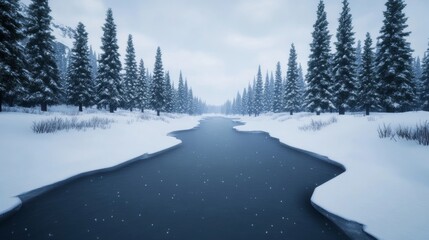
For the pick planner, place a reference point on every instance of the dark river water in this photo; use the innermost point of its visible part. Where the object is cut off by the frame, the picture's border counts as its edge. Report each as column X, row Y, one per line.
column 218, row 184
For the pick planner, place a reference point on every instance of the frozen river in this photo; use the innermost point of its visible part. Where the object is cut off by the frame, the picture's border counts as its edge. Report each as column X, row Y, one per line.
column 218, row 184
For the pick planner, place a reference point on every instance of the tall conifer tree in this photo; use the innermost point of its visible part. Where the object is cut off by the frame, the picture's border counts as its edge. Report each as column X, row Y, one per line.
column 267, row 94
column 302, row 88
column 131, row 76
column 345, row 63
column 142, row 88
column 250, row 97
column 258, row 98
column 13, row 73
column 278, row 90
column 417, row 76
column 319, row 95
column 244, row 102
column 368, row 89
column 292, row 101
column 109, row 81
column 80, row 88
column 425, row 82
column 168, row 93
column 393, row 61
column 44, row 85
column 158, row 93
column 181, row 95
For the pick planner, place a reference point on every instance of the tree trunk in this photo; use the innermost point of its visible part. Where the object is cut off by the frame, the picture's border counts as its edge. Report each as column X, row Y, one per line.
column 291, row 112
column 131, row 109
column 80, row 107
column 157, row 112
column 44, row 107
column 111, row 108
column 317, row 113
column 142, row 110
column 1, row 103
column 367, row 110
column 341, row 110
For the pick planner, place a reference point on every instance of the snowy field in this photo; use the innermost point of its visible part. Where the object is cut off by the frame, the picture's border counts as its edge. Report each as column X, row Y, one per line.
column 386, row 183
column 29, row 160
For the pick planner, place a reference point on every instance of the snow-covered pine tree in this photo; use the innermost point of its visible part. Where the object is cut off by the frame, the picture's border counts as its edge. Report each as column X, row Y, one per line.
column 168, row 93
column 131, row 76
column 358, row 55
column 190, row 102
column 417, row 76
column 185, row 97
column 301, row 88
column 149, row 81
column 93, row 62
column 368, row 88
column 44, row 85
column 80, row 83
column 62, row 59
column 425, row 82
column 142, row 88
column 283, row 107
column 244, row 102
column 272, row 83
column 278, row 90
column 13, row 73
column 250, row 97
column 267, row 94
column 394, row 60
column 173, row 96
column 158, row 94
column 181, row 95
column 345, row 63
column 291, row 93
column 319, row 95
column 258, row 91
column 238, row 104
column 109, row 80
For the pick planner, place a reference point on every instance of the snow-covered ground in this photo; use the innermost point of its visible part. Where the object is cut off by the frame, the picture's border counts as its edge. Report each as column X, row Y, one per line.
column 386, row 183
column 29, row 161
column 385, row 186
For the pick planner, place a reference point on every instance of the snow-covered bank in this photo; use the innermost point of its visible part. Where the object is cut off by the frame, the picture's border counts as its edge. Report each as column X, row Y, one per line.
column 386, row 184
column 29, row 161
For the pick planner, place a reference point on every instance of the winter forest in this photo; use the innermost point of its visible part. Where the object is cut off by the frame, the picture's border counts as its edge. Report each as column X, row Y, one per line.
column 37, row 71
column 258, row 119
column 368, row 76
column 381, row 76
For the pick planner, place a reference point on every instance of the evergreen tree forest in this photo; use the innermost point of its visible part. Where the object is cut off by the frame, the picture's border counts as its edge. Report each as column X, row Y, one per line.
column 381, row 77
column 36, row 71
column 378, row 73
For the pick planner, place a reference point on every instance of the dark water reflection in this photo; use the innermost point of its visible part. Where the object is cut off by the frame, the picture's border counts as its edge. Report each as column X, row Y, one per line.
column 219, row 184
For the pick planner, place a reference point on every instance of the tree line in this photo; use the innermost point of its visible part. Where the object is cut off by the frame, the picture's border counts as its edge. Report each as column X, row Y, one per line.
column 380, row 77
column 30, row 76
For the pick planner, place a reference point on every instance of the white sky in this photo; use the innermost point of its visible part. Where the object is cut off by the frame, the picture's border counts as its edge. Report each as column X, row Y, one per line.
column 219, row 44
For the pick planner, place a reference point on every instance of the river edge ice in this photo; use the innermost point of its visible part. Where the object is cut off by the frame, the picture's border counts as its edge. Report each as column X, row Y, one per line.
column 30, row 161
column 385, row 186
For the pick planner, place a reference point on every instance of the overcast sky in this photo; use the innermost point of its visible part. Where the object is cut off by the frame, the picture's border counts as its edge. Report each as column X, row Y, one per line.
column 218, row 45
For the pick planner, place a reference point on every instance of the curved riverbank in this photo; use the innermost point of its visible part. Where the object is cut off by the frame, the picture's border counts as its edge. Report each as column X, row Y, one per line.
column 386, row 182
column 353, row 229
column 30, row 161
column 218, row 178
